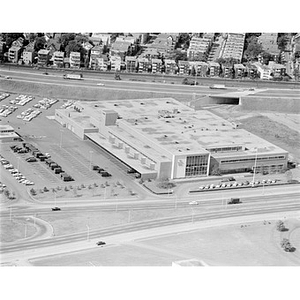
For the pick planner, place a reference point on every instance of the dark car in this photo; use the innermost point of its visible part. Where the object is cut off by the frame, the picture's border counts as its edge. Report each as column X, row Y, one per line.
column 101, row 170
column 95, row 168
column 131, row 171
column 234, row 201
column 55, row 208
column 100, row 243
column 105, row 174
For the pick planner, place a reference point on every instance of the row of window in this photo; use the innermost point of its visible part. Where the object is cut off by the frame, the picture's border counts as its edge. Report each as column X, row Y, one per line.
column 252, row 159
column 196, row 165
column 236, row 148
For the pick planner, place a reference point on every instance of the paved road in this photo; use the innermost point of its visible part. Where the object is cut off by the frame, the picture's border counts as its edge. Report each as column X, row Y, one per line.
column 233, row 211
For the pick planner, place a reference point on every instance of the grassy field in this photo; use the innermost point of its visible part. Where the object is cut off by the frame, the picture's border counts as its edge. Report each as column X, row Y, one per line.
column 274, row 132
column 254, row 245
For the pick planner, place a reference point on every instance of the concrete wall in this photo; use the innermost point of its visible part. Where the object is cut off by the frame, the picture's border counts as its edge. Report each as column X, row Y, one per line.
column 179, row 166
column 164, row 170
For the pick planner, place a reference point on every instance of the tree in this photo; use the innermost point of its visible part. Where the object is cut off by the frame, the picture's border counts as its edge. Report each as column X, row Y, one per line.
column 183, row 41
column 282, row 42
column 280, row 226
column 253, row 48
column 178, row 55
column 39, row 43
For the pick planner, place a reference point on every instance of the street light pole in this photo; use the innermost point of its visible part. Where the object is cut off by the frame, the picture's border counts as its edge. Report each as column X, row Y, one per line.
column 254, row 171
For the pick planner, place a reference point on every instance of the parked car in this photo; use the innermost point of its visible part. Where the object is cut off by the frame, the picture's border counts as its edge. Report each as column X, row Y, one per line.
column 234, row 201
column 193, row 203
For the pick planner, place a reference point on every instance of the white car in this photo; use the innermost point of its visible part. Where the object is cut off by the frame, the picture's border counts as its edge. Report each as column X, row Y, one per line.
column 101, row 84
column 193, row 203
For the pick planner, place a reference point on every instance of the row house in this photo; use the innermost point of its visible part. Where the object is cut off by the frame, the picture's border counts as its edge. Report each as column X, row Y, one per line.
column 43, row 57
column 96, row 53
column 131, row 63
column 29, row 54
column 144, row 64
column 277, row 69
column 115, row 63
column 58, row 59
column 14, row 54
column 170, row 66
column 213, row 69
column 75, row 60
column 156, row 65
column 263, row 71
column 184, row 67
column 239, row 70
column 234, row 46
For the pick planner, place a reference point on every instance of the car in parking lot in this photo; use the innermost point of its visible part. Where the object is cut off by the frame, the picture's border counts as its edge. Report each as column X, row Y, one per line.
column 31, row 159
column 101, row 243
column 105, row 174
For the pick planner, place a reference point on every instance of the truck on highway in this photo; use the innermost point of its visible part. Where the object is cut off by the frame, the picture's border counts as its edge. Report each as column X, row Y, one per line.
column 73, row 76
column 218, row 87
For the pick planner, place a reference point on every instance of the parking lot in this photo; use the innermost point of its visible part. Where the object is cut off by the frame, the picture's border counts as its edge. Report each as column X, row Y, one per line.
column 76, row 157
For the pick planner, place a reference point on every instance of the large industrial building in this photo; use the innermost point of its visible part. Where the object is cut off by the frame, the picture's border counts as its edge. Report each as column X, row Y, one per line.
column 163, row 138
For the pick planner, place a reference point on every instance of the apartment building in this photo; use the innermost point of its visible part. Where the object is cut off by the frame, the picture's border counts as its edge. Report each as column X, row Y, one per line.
column 263, row 71
column 131, row 64
column 164, row 43
column 184, row 67
column 227, row 70
column 239, row 70
column 213, row 69
column 144, row 64
column 234, row 46
column 156, row 65
column 277, row 69
column 115, row 63
column 75, row 60
column 252, row 71
column 58, row 59
column 101, row 39
column 14, row 54
column 29, row 54
column 199, row 48
column 96, row 52
column 170, row 66
column 120, row 48
column 43, row 57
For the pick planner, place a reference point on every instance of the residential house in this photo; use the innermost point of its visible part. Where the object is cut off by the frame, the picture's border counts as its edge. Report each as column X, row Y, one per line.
column 75, row 60
column 150, row 54
column 96, row 53
column 214, row 69
column 18, row 43
column 131, row 63
column 58, row 59
column 277, row 70
column 53, row 45
column 29, row 54
column 263, row 71
column 141, row 38
column 144, row 64
column 239, row 70
column 156, row 65
column 234, row 46
column 43, row 57
column 184, row 67
column 170, row 66
column 128, row 38
column 87, row 46
column 14, row 54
